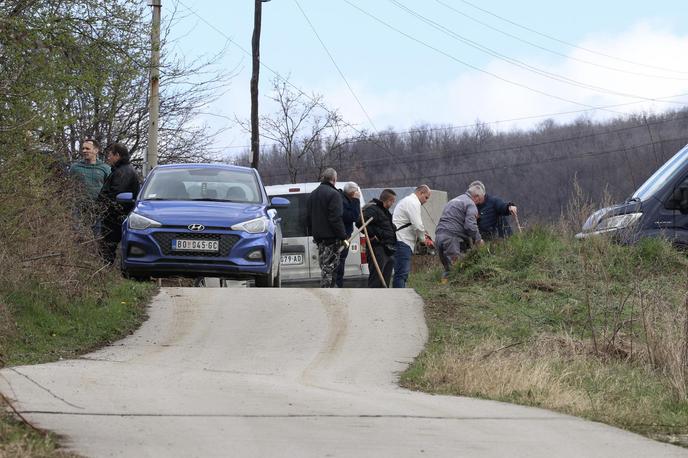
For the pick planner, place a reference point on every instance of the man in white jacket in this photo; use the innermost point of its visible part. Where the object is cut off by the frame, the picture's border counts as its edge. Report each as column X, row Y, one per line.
column 409, row 225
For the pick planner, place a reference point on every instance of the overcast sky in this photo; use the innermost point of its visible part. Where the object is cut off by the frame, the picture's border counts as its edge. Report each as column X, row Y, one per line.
column 448, row 62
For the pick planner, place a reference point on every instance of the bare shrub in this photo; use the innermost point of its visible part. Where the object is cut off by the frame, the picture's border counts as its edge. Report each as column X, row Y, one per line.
column 42, row 241
column 665, row 329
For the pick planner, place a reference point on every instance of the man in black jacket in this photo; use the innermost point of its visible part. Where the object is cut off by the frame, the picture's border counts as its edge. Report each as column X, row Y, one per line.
column 493, row 223
column 122, row 179
column 383, row 237
column 325, row 223
column 351, row 213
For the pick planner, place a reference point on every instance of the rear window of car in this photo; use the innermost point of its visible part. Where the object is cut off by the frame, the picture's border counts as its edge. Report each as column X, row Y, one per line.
column 203, row 184
column 294, row 216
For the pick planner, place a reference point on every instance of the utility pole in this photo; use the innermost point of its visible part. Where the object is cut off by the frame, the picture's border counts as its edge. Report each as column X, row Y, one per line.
column 255, row 45
column 151, row 159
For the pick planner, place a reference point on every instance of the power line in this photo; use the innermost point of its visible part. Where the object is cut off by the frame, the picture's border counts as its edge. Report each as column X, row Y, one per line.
column 512, row 61
column 462, row 62
column 336, row 66
column 502, row 121
column 416, row 158
column 552, row 51
column 555, row 159
column 382, row 134
column 550, row 37
column 262, row 64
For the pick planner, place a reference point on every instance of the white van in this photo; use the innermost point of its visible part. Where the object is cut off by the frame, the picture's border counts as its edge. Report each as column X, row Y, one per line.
column 299, row 265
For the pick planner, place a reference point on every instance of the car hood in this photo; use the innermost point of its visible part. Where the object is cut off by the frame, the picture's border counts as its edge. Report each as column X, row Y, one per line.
column 209, row 214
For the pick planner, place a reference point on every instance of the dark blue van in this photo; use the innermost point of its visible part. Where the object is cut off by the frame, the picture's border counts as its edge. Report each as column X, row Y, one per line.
column 659, row 208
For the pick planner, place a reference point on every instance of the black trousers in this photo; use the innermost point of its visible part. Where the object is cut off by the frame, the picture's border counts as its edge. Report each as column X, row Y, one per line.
column 112, row 235
column 339, row 273
column 386, row 263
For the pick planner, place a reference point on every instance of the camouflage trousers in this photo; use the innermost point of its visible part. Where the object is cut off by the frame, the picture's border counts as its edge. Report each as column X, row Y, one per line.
column 328, row 258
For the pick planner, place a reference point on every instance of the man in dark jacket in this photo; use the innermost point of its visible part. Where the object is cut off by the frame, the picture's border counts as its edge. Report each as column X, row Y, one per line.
column 122, row 179
column 351, row 212
column 325, row 223
column 383, row 237
column 493, row 223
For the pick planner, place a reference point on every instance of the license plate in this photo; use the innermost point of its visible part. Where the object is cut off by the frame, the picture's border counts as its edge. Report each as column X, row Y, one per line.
column 290, row 259
column 195, row 245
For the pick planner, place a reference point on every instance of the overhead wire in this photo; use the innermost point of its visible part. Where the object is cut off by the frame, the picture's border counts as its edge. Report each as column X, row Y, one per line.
column 552, row 51
column 476, row 124
column 553, row 38
column 415, row 158
column 264, row 65
column 364, row 137
column 469, row 65
column 516, row 62
column 334, row 62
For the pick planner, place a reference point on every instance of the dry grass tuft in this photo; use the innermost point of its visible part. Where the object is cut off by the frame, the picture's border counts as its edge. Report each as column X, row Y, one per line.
column 508, row 375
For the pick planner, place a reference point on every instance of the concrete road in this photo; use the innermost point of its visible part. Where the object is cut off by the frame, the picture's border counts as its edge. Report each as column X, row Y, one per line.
column 285, row 373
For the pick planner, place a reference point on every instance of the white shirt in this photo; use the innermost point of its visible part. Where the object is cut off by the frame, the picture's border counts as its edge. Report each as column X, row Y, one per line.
column 408, row 211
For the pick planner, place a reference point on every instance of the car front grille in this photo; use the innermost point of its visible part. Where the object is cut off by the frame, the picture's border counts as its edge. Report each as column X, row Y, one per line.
column 164, row 239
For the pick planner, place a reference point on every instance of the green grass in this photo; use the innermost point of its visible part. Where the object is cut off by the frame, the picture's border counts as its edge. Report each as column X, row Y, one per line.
column 545, row 320
column 47, row 325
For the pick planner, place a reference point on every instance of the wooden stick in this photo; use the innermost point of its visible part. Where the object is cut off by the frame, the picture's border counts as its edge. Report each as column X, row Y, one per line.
column 372, row 252
column 518, row 225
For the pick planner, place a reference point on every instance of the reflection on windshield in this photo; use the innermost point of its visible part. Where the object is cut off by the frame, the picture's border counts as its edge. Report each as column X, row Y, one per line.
column 661, row 176
column 211, row 184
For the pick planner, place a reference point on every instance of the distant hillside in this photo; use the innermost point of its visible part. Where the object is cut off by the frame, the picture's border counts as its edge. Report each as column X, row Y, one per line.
column 534, row 168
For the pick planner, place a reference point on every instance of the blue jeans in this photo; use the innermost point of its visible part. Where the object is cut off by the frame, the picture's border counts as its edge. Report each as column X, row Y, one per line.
column 402, row 265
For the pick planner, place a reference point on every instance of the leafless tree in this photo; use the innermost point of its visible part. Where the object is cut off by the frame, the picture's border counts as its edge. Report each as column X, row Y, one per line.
column 306, row 135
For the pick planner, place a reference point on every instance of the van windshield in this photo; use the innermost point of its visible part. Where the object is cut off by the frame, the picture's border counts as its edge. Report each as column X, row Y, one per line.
column 665, row 173
column 294, row 216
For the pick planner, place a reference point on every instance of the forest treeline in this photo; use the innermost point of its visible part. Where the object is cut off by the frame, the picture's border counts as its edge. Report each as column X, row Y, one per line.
column 534, row 168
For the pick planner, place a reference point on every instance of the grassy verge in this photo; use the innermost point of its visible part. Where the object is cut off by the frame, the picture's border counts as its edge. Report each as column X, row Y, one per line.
column 590, row 329
column 42, row 325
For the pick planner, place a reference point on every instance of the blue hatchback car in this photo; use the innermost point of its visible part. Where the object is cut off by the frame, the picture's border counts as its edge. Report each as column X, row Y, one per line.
column 203, row 220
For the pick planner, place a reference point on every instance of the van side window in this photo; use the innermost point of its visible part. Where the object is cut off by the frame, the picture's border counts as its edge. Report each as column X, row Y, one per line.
column 294, row 216
column 678, row 200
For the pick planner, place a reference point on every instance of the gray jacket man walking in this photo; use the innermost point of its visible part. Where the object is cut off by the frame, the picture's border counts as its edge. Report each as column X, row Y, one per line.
column 458, row 227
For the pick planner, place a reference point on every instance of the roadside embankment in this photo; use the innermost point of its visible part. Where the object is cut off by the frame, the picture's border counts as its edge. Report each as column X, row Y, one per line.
column 591, row 328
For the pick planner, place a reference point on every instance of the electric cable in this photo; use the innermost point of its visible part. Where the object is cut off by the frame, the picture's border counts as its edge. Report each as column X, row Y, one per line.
column 339, row 70
column 516, row 62
column 553, row 38
column 552, row 51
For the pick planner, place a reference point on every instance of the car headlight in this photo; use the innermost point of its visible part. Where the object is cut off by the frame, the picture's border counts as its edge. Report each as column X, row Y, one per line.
column 618, row 222
column 140, row 222
column 253, row 226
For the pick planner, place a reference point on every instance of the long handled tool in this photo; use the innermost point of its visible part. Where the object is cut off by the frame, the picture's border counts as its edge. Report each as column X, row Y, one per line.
column 372, row 255
column 354, row 234
column 518, row 225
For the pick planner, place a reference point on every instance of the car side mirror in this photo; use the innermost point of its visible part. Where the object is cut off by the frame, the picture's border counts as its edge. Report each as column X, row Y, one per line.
column 125, row 197
column 279, row 202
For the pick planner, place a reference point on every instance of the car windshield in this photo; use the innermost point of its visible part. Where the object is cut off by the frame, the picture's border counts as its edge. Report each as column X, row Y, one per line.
column 204, row 184
column 665, row 173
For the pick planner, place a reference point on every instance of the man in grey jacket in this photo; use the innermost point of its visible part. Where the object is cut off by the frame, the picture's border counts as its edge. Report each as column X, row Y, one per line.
column 457, row 228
